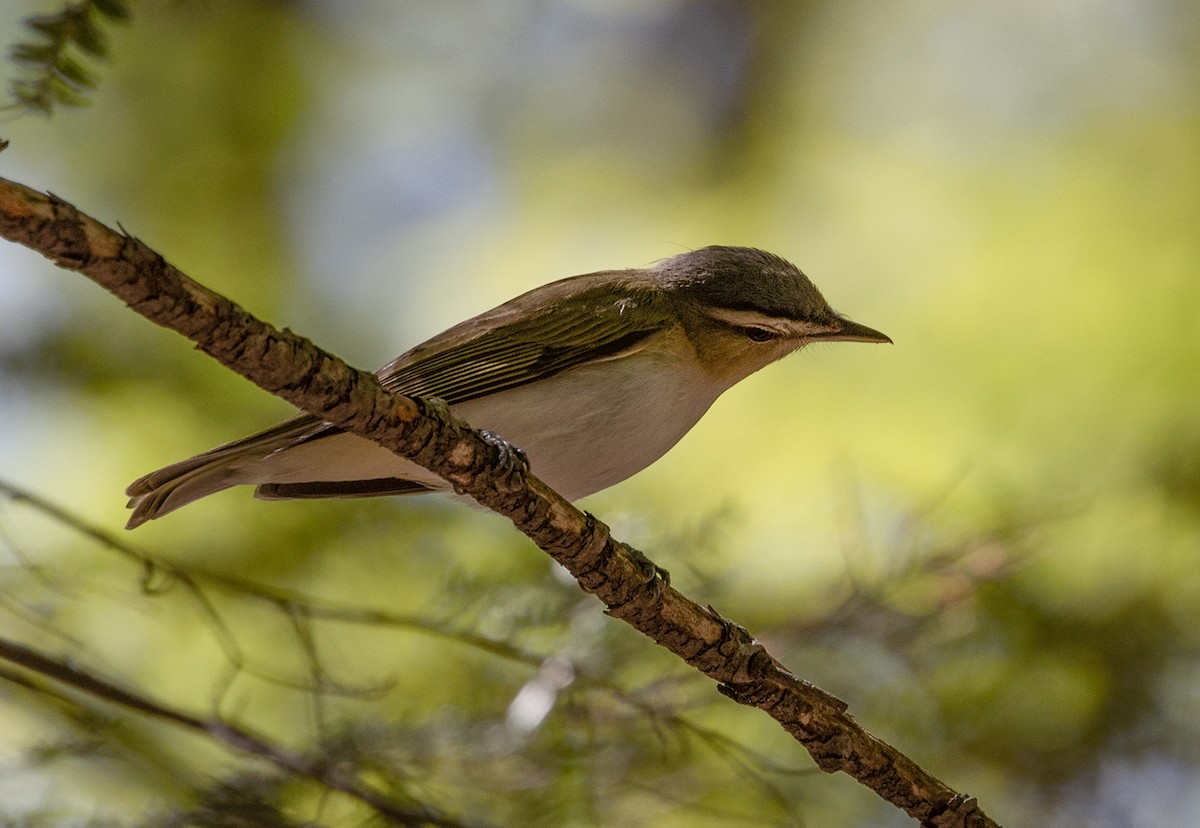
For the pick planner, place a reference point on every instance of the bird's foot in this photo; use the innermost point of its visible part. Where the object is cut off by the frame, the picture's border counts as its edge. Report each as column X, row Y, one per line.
column 510, row 461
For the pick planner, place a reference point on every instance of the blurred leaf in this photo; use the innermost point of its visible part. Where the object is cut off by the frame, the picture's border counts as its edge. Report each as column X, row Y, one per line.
column 115, row 9
column 52, row 75
column 74, row 73
column 33, row 53
column 89, row 38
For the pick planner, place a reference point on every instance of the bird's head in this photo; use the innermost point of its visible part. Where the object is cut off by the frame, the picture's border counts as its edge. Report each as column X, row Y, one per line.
column 743, row 308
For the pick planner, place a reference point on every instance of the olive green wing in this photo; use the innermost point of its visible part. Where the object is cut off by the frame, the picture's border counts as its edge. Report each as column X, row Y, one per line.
column 542, row 333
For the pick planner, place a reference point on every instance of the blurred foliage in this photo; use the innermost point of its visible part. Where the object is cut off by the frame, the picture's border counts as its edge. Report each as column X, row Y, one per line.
column 985, row 539
column 52, row 62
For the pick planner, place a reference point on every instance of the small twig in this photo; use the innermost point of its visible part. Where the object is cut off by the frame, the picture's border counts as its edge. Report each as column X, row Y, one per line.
column 240, row 739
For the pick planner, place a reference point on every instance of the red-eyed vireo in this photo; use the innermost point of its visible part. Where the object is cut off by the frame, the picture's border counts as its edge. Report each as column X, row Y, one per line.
column 595, row 377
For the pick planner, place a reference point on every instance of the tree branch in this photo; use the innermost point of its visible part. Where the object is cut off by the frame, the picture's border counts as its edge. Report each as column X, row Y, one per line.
column 237, row 738
column 492, row 473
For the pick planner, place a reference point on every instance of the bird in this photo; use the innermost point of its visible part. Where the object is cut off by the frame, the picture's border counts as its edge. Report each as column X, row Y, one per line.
column 592, row 377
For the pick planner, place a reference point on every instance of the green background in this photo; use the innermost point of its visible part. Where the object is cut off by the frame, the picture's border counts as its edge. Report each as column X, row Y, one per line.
column 984, row 538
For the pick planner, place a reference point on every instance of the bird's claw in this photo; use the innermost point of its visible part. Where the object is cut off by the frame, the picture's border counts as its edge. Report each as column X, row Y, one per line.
column 511, row 461
column 653, row 571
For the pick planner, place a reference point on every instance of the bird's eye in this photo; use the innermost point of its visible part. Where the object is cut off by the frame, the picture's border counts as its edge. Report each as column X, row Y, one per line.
column 758, row 334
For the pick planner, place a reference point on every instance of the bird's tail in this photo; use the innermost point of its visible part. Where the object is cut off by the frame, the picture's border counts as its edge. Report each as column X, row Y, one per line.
column 177, row 485
column 180, row 483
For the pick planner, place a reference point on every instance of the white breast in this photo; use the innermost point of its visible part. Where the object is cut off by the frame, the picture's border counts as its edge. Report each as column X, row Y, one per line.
column 590, row 428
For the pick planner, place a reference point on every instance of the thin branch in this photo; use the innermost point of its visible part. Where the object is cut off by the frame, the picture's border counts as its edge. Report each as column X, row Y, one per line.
column 159, row 571
column 303, row 609
column 237, row 738
column 159, row 575
column 631, row 587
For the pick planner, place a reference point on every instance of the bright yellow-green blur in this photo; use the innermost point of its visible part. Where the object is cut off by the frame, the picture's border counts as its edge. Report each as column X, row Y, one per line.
column 985, row 538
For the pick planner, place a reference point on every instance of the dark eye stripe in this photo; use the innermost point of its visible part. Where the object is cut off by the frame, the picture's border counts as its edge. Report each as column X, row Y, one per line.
column 758, row 334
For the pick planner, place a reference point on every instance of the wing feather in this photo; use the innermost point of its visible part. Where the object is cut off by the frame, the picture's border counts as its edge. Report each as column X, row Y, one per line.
column 547, row 331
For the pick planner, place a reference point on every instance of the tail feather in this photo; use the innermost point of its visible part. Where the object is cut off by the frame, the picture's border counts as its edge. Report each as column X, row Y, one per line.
column 178, row 484
column 375, row 487
column 172, row 492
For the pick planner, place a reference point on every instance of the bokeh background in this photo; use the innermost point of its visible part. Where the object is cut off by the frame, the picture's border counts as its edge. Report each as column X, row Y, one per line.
column 984, row 538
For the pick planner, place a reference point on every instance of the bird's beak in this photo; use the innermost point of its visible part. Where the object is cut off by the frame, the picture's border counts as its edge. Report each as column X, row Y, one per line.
column 852, row 332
